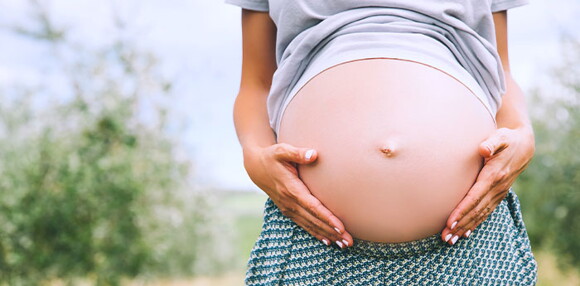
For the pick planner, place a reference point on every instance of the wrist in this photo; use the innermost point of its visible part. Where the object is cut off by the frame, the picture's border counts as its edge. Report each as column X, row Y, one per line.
column 527, row 133
column 250, row 155
column 252, row 149
column 521, row 124
column 525, row 129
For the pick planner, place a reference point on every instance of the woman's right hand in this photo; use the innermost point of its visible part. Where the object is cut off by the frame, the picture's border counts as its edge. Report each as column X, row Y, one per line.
column 273, row 169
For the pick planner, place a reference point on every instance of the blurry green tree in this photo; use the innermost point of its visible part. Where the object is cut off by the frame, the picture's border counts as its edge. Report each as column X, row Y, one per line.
column 550, row 188
column 91, row 185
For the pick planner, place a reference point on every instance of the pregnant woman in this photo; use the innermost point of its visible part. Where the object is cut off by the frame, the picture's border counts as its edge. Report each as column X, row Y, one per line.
column 387, row 135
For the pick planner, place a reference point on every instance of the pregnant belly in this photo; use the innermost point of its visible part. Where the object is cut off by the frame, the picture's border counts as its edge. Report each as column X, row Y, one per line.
column 397, row 145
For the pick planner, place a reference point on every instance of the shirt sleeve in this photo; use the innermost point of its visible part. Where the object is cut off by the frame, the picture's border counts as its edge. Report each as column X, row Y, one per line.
column 256, row 5
column 500, row 5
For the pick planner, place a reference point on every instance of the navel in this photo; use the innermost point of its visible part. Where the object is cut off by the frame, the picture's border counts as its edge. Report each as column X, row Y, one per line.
column 388, row 150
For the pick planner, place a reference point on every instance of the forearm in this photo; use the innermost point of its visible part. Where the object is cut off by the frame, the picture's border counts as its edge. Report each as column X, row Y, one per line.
column 251, row 119
column 513, row 112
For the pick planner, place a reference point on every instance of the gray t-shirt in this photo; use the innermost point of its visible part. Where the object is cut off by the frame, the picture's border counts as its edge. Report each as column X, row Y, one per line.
column 455, row 36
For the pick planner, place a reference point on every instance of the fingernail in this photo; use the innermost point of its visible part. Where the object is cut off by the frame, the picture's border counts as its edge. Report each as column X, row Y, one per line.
column 345, row 242
column 339, row 243
column 337, row 230
column 325, row 242
column 468, row 233
column 453, row 225
column 490, row 150
column 454, row 239
column 448, row 237
column 309, row 154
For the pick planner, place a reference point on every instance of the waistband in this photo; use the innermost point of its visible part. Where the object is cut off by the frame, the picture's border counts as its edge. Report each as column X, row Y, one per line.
column 399, row 249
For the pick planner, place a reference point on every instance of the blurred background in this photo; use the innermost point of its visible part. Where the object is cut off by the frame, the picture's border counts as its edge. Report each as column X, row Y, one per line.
column 119, row 162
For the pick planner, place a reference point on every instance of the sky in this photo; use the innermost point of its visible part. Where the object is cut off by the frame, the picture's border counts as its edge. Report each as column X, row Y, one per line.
column 199, row 45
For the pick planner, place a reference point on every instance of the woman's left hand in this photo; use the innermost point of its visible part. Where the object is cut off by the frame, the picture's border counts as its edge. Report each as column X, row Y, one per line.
column 507, row 153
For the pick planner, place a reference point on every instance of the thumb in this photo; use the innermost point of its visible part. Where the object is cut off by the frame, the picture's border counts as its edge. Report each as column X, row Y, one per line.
column 309, row 155
column 492, row 145
column 290, row 153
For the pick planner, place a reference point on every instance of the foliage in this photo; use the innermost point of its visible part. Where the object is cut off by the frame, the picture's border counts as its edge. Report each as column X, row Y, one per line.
column 73, row 199
column 91, row 184
column 550, row 187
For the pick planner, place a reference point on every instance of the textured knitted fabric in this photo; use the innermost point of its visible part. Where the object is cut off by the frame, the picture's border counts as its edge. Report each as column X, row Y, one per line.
column 498, row 252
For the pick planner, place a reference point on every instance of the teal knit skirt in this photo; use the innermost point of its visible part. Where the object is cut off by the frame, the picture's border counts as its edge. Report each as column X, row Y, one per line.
column 498, row 252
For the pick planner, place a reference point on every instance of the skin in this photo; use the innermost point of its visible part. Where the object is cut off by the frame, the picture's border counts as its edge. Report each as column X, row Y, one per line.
column 272, row 166
column 371, row 139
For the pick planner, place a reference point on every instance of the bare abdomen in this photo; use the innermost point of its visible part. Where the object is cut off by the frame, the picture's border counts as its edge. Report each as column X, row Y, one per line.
column 397, row 145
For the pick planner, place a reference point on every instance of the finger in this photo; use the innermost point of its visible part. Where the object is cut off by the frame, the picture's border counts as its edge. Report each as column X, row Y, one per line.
column 473, row 198
column 466, row 224
column 462, row 227
column 494, row 144
column 316, row 209
column 312, row 229
column 486, row 180
column 325, row 229
column 486, row 189
column 474, row 218
column 299, row 193
column 476, row 222
column 289, row 153
column 311, row 204
column 314, row 226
